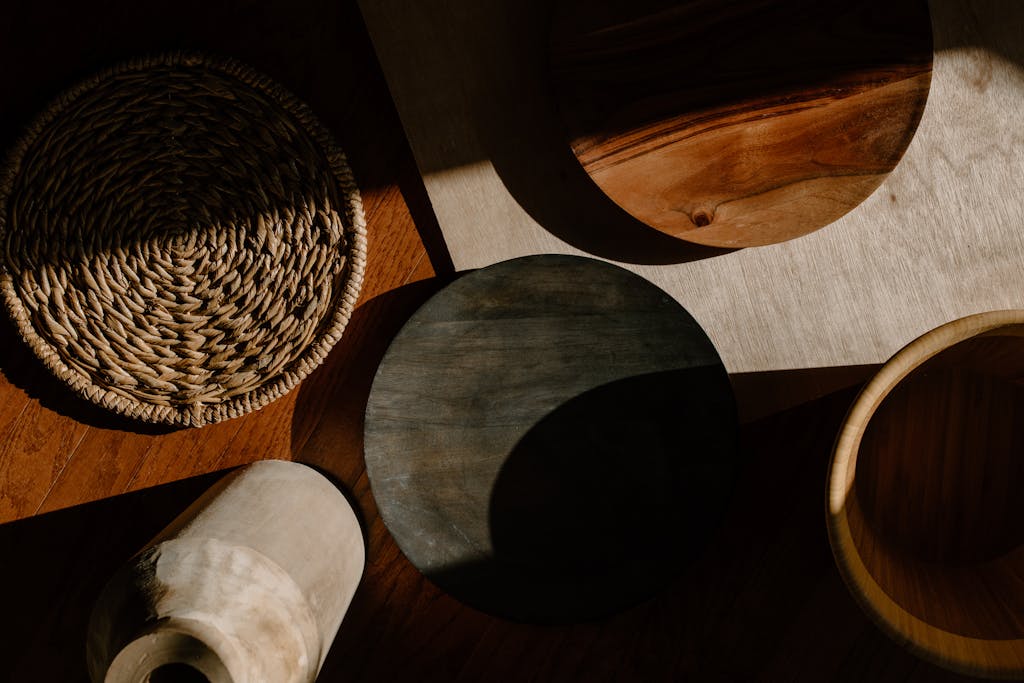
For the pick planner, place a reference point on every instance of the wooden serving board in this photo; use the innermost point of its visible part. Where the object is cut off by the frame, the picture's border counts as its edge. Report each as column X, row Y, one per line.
column 942, row 237
column 551, row 439
column 798, row 112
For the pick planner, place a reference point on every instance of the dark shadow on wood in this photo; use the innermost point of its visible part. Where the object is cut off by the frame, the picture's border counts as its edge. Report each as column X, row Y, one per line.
column 763, row 602
column 530, row 153
column 997, row 26
column 415, row 195
column 53, row 566
column 49, row 45
column 761, row 394
column 606, row 499
column 625, row 64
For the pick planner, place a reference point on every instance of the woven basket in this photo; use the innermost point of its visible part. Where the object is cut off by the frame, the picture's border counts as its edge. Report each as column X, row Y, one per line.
column 182, row 241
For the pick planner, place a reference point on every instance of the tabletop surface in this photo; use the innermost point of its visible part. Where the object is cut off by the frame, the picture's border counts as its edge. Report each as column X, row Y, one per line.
column 81, row 490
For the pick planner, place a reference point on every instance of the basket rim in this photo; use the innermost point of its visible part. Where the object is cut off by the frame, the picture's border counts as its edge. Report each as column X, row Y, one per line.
column 196, row 415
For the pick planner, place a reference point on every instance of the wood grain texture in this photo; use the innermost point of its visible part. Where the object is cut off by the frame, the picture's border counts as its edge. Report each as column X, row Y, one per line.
column 551, row 439
column 924, row 512
column 794, row 117
column 765, row 602
column 938, row 239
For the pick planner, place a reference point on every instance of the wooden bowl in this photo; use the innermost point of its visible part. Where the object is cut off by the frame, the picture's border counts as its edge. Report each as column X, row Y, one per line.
column 925, row 514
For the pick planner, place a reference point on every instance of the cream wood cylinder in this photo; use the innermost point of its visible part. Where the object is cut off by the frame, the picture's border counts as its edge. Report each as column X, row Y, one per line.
column 248, row 585
column 925, row 514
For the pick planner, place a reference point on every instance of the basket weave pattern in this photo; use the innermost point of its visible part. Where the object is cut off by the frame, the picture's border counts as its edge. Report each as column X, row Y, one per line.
column 182, row 242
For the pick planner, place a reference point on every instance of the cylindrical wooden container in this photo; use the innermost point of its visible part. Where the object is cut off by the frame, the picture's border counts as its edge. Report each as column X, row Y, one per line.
column 925, row 511
column 248, row 585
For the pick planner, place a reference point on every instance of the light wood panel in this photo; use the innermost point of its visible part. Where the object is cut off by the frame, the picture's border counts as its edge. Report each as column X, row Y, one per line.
column 939, row 239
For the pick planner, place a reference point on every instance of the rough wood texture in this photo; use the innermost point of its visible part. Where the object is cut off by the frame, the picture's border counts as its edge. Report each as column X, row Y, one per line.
column 938, row 240
column 925, row 514
column 551, row 439
column 794, row 116
column 248, row 585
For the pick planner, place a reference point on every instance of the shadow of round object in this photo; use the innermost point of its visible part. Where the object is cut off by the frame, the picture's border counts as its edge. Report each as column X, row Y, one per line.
column 740, row 123
column 551, row 439
column 925, row 516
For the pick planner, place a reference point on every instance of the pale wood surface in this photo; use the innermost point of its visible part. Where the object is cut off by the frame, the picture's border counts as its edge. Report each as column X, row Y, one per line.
column 939, row 239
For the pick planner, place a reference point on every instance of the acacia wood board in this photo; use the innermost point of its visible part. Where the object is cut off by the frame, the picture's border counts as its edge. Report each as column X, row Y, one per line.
column 939, row 239
column 796, row 116
column 551, row 439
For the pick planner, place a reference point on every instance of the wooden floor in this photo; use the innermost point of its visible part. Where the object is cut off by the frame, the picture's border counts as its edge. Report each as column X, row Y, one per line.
column 80, row 490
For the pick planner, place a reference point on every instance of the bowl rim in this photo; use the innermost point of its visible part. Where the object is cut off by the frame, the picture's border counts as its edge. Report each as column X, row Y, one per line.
column 973, row 656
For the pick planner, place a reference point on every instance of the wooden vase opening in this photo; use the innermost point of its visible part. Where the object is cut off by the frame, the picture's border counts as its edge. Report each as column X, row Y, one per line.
column 172, row 652
column 177, row 673
column 925, row 513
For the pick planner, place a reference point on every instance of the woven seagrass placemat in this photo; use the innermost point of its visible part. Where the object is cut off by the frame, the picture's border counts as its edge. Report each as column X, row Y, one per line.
column 181, row 240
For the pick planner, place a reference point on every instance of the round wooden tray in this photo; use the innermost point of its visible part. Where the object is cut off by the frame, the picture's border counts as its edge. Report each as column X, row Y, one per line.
column 739, row 123
column 551, row 438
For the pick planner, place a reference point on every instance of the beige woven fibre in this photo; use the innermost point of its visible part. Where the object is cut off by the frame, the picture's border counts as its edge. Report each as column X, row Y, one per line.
column 182, row 242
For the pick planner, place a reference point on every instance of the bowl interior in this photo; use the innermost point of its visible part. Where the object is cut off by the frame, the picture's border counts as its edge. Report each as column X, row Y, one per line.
column 936, row 513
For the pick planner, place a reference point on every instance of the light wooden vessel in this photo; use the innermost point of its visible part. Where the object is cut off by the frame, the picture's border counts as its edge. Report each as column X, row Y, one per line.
column 925, row 514
column 248, row 585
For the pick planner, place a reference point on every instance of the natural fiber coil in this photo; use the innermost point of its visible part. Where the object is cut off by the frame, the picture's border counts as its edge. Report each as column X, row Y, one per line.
column 182, row 242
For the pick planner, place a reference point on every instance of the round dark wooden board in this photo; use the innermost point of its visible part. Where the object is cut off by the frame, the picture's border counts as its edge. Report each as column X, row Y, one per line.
column 551, row 439
column 739, row 123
